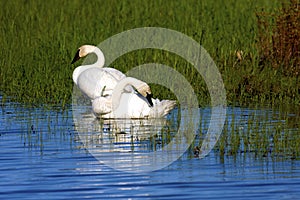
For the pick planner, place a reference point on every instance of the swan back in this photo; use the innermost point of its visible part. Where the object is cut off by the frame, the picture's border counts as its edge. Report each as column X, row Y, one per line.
column 131, row 105
column 96, row 82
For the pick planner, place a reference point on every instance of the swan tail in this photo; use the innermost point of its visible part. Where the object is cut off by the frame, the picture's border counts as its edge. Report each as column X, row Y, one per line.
column 162, row 108
column 169, row 105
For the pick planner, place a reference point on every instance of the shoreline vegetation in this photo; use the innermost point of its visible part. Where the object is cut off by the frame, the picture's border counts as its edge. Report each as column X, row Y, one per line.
column 254, row 43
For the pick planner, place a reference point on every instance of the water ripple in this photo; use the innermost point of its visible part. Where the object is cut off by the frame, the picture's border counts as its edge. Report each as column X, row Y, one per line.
column 42, row 158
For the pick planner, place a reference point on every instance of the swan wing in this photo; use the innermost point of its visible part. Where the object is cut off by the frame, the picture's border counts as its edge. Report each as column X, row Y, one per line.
column 115, row 73
column 137, row 106
column 118, row 76
column 95, row 82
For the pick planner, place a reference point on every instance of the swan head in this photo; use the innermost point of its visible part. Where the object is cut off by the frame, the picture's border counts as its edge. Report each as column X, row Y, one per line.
column 84, row 51
column 145, row 90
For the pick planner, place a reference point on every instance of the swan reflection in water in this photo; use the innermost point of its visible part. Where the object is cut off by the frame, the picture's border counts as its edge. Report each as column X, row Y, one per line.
column 124, row 135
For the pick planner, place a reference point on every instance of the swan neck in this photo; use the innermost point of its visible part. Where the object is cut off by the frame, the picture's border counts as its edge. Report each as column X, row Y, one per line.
column 99, row 63
column 131, row 81
column 118, row 90
column 100, row 58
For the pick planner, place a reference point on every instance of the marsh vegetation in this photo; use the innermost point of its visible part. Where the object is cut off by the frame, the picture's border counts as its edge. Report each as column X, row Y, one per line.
column 39, row 39
column 254, row 43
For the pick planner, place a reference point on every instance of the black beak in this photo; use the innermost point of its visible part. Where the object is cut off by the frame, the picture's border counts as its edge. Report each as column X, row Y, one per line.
column 76, row 57
column 149, row 99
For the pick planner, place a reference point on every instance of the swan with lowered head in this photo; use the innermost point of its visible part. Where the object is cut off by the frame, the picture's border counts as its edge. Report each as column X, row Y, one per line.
column 124, row 104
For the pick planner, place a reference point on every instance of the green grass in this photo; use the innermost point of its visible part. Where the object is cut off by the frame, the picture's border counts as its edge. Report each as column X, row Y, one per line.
column 38, row 40
column 261, row 133
column 261, row 137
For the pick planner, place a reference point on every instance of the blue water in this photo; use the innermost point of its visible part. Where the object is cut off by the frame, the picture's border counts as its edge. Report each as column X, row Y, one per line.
column 42, row 157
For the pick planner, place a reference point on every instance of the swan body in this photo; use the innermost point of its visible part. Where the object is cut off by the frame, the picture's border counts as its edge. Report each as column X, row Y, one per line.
column 132, row 106
column 96, row 82
column 128, row 104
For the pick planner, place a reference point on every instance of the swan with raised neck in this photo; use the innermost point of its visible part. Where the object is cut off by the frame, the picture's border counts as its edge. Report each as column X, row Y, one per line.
column 82, row 52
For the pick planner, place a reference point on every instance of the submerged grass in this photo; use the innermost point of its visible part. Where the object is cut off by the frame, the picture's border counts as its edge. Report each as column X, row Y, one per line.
column 39, row 39
column 262, row 136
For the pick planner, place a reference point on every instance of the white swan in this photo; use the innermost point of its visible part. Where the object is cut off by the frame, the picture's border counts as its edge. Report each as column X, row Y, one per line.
column 95, row 80
column 98, row 83
column 124, row 104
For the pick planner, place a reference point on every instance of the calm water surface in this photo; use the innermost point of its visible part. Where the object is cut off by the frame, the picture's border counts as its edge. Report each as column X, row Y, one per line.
column 42, row 157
